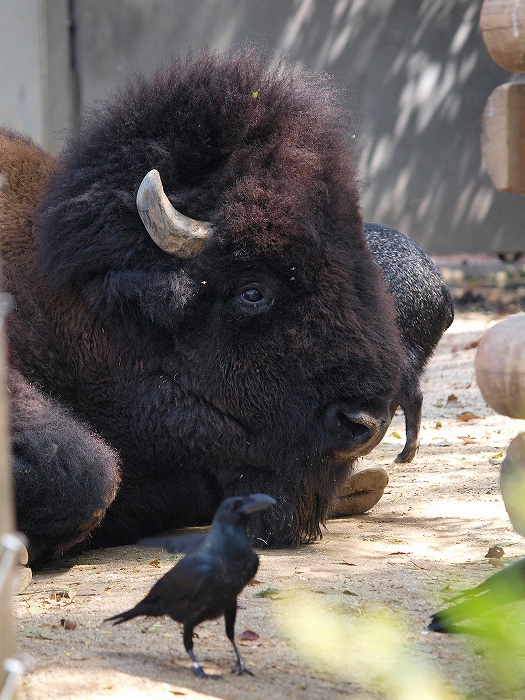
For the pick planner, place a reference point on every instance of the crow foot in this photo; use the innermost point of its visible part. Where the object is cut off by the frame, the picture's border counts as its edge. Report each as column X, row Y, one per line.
column 240, row 668
column 201, row 673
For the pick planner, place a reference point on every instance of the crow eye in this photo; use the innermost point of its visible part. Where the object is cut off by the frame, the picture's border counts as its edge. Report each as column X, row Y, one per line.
column 253, row 299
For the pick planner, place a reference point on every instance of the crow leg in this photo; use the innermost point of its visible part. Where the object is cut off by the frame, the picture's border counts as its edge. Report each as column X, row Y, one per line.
column 188, row 645
column 229, row 617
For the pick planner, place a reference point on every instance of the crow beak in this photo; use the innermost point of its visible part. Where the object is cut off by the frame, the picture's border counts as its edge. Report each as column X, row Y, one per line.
column 256, row 502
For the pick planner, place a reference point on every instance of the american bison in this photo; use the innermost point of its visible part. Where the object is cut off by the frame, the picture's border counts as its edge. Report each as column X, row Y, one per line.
column 197, row 312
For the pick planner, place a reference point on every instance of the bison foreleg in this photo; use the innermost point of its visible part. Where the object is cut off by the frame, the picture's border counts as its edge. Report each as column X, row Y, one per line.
column 65, row 476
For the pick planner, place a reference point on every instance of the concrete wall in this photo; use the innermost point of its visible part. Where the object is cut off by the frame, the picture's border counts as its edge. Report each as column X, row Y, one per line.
column 416, row 76
column 36, row 87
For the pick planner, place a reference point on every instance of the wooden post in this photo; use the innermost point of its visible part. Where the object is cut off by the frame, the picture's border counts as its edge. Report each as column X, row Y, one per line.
column 7, row 636
column 503, row 137
column 502, row 24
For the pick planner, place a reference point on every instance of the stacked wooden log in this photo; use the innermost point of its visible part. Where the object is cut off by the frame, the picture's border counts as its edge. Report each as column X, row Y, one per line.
column 500, row 358
column 502, row 25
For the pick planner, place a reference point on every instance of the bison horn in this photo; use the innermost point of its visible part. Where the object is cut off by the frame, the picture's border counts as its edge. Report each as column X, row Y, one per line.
column 173, row 232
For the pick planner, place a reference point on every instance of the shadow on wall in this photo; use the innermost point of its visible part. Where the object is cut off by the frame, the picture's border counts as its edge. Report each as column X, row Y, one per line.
column 416, row 74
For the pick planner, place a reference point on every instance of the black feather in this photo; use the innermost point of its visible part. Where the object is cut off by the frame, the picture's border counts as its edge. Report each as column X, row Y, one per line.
column 176, row 544
column 205, row 584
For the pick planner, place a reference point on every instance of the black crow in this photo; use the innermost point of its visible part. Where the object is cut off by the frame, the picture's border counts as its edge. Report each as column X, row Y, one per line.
column 205, row 584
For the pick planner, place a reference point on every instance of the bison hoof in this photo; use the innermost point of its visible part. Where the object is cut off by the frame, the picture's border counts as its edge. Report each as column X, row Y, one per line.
column 361, row 491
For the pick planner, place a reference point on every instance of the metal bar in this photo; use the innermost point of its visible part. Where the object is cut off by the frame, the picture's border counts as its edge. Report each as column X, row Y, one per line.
column 13, row 669
column 8, row 542
column 14, row 549
column 7, row 304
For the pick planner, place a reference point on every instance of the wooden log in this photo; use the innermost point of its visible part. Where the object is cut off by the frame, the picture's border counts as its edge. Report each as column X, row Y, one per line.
column 512, row 482
column 503, row 137
column 502, row 24
column 500, row 366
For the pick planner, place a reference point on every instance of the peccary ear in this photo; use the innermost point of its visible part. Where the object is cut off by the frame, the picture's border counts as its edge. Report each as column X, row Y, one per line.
column 160, row 297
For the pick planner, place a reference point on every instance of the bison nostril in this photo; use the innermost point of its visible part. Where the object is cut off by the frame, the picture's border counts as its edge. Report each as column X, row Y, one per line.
column 354, row 430
column 358, row 427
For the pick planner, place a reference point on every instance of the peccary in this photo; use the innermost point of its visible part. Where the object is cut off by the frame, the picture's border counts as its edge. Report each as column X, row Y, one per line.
column 424, row 311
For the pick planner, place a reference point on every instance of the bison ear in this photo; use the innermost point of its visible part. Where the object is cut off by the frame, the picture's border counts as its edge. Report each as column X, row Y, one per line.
column 173, row 232
column 158, row 296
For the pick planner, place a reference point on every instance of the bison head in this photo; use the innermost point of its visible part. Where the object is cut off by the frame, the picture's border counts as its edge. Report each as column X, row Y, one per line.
column 213, row 309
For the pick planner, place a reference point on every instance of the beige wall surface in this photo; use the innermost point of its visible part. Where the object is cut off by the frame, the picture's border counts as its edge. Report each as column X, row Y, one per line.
column 416, row 77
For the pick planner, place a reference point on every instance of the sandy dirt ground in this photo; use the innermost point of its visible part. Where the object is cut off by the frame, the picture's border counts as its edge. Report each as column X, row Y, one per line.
column 426, row 539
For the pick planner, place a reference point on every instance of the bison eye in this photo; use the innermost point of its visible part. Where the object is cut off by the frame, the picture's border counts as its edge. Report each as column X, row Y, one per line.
column 253, row 299
column 252, row 296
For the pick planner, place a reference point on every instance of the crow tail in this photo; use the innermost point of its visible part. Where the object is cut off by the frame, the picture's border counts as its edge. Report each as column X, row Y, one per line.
column 126, row 615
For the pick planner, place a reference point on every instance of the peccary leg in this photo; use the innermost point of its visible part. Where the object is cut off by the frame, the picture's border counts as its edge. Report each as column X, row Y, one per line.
column 65, row 476
column 411, row 402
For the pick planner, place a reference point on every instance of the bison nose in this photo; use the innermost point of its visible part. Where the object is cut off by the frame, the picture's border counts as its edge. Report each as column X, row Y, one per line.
column 355, row 432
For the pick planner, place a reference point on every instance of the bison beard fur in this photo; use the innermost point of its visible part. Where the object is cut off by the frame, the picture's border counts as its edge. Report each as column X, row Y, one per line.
column 148, row 385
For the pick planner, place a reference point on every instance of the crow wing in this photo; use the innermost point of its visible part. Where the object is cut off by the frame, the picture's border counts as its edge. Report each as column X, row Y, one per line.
column 177, row 544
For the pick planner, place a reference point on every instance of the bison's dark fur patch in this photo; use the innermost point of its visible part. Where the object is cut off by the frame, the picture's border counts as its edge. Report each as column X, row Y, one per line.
column 198, row 390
